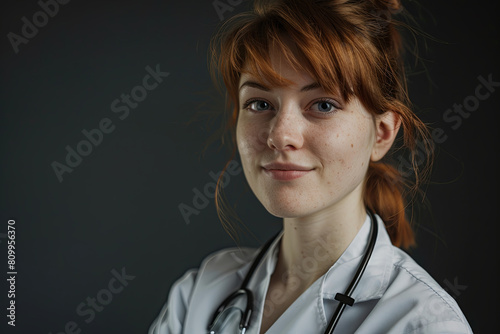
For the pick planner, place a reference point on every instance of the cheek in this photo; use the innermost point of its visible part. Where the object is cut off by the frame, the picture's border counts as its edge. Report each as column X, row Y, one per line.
column 250, row 141
column 247, row 147
column 250, row 138
column 344, row 152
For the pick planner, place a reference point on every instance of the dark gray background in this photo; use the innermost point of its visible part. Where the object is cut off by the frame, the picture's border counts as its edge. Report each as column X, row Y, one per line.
column 119, row 207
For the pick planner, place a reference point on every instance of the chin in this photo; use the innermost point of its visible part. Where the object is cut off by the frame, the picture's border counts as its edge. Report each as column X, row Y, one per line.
column 288, row 209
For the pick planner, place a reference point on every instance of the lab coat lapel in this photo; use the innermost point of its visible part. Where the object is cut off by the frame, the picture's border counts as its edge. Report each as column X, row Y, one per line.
column 375, row 278
column 317, row 304
column 372, row 284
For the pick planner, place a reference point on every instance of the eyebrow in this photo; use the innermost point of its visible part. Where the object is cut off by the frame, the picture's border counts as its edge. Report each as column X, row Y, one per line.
column 314, row 85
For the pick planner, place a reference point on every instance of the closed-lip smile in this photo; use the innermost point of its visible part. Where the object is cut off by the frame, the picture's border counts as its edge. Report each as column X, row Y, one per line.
column 285, row 171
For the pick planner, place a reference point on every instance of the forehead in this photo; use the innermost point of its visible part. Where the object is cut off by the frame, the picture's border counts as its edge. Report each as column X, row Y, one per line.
column 284, row 73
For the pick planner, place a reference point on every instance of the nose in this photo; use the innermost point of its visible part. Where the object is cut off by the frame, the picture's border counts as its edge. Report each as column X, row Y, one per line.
column 286, row 130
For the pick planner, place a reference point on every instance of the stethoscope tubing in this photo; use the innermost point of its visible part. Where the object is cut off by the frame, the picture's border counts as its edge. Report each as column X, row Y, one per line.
column 357, row 277
column 343, row 299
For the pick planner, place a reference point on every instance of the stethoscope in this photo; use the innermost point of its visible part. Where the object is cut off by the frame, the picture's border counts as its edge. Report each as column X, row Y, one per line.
column 228, row 308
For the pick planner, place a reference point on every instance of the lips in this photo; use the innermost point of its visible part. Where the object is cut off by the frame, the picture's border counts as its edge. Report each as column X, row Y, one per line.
column 285, row 166
column 285, row 171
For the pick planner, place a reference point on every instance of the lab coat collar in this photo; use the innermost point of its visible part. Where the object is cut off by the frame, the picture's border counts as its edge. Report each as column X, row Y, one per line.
column 373, row 282
column 375, row 279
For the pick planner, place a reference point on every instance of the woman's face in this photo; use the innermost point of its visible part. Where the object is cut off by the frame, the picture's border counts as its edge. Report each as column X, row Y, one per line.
column 303, row 151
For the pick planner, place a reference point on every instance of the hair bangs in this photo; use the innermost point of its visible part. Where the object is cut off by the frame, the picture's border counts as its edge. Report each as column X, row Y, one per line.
column 342, row 72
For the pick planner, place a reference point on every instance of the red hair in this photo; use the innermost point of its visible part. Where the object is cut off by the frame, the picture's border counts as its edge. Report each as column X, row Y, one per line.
column 350, row 47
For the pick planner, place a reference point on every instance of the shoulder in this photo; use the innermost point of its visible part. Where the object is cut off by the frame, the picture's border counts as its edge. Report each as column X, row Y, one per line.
column 215, row 266
column 408, row 275
column 420, row 300
column 224, row 261
column 234, row 255
column 171, row 316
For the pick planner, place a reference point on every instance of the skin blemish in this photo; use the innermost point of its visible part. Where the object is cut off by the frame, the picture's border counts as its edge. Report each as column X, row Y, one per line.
column 352, row 145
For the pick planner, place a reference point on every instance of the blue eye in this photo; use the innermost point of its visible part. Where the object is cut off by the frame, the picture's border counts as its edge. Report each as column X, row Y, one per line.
column 322, row 106
column 257, row 105
column 261, row 105
column 325, row 106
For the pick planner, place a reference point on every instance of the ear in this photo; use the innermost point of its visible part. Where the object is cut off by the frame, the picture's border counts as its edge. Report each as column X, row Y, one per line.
column 386, row 128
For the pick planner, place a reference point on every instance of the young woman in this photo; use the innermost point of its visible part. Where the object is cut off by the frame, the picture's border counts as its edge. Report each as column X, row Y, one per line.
column 316, row 94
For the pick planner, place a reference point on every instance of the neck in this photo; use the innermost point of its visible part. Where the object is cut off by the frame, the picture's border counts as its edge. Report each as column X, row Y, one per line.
column 311, row 245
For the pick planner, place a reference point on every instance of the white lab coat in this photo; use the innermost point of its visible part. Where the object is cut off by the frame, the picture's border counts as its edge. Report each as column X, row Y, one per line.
column 394, row 295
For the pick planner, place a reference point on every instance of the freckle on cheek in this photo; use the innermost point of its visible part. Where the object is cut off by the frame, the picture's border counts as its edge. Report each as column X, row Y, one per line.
column 352, row 145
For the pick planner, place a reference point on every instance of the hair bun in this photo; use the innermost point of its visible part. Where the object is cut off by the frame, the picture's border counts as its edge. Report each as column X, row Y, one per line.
column 388, row 6
column 394, row 6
